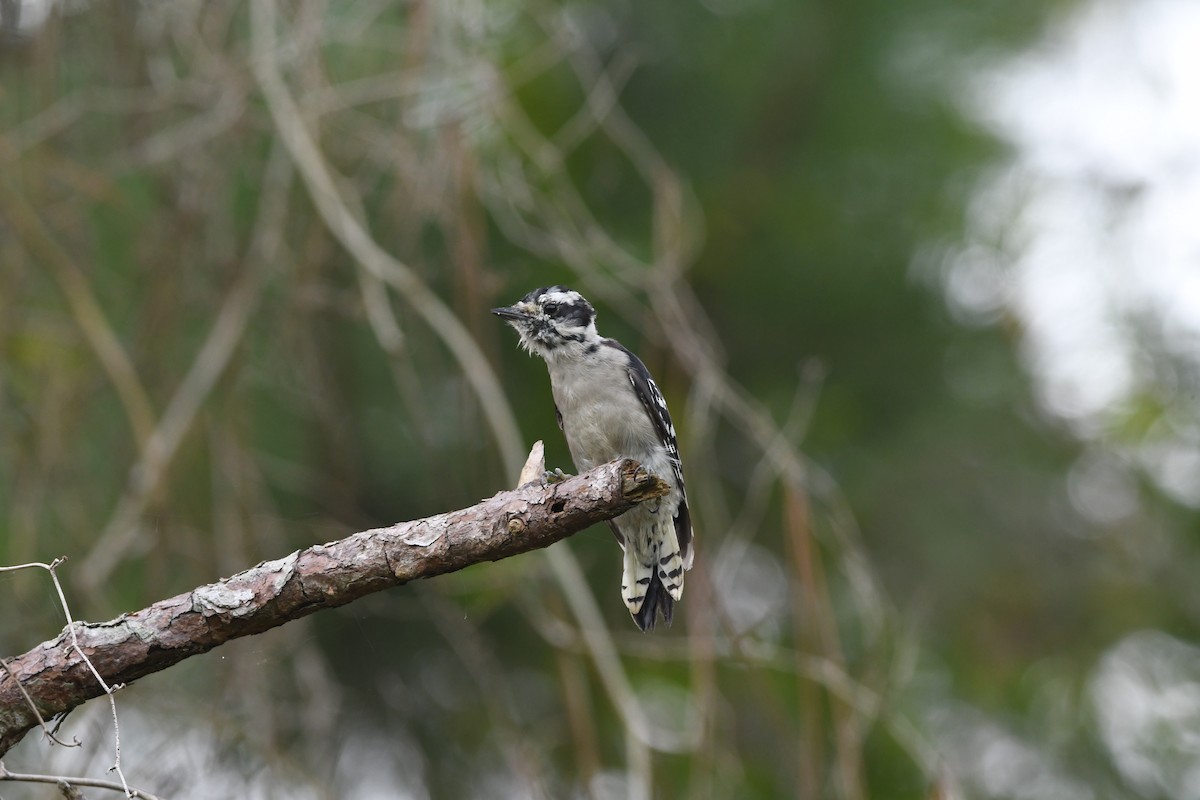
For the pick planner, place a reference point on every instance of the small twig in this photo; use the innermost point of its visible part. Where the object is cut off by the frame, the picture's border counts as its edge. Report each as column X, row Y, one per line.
column 52, row 568
column 34, row 565
column 61, row 780
column 108, row 690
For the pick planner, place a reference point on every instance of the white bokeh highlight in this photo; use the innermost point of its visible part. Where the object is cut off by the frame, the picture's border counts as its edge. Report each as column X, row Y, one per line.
column 1088, row 238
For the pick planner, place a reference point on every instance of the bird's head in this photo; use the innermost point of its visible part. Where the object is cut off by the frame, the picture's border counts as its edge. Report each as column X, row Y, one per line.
column 553, row 322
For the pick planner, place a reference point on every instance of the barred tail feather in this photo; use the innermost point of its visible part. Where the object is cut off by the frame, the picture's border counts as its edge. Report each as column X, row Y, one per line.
column 644, row 593
column 657, row 601
column 671, row 566
column 636, row 578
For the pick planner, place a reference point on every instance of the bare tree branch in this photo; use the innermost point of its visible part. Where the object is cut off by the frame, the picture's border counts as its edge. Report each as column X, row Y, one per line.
column 323, row 576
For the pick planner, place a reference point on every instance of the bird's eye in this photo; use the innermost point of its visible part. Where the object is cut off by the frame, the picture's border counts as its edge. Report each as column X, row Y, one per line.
column 550, row 308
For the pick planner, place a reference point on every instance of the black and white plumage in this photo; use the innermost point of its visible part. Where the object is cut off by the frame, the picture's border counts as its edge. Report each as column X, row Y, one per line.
column 609, row 407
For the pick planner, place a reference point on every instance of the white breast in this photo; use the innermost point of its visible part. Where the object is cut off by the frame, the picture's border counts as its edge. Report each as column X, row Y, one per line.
column 602, row 417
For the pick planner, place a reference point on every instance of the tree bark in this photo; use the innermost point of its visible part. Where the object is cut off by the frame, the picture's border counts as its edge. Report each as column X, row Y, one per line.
column 323, row 576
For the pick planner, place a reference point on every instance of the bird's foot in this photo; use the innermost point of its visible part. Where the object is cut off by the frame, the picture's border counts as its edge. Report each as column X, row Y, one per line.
column 557, row 476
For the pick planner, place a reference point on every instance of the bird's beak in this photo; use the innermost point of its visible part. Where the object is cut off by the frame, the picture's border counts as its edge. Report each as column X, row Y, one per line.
column 512, row 313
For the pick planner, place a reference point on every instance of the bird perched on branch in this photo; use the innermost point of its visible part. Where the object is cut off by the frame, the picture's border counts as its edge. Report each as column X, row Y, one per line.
column 609, row 407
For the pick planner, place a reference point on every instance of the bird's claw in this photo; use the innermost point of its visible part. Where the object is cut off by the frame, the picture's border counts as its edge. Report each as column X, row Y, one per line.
column 557, row 476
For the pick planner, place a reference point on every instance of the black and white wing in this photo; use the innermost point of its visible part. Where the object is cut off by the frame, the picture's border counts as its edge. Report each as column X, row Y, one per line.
column 652, row 400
